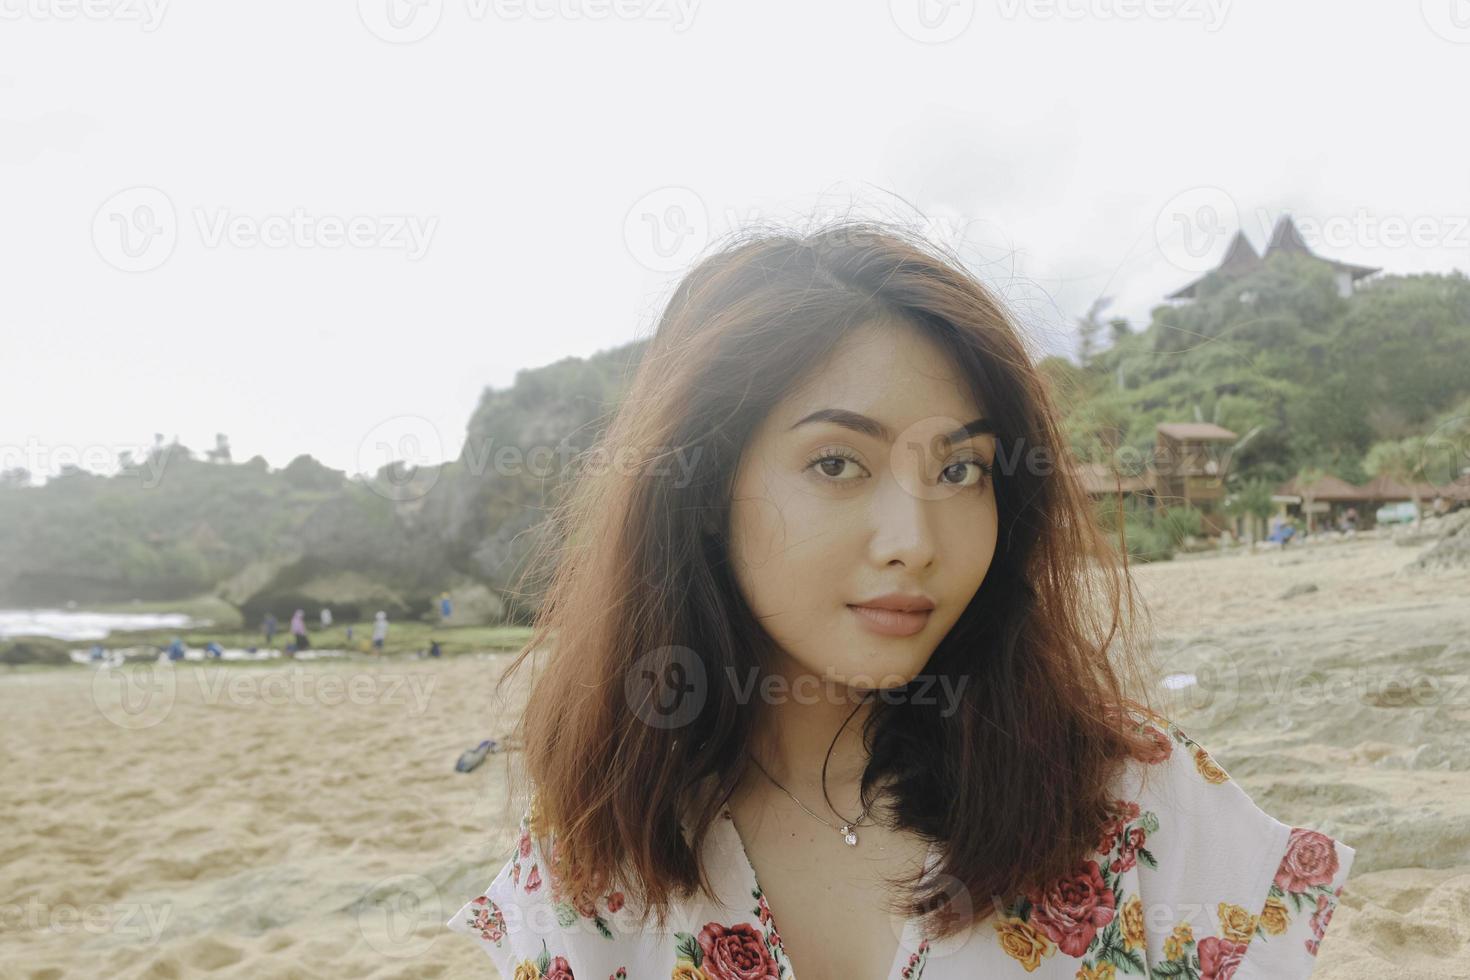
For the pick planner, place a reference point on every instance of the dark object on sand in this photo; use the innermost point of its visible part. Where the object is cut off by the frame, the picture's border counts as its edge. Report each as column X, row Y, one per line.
column 473, row 757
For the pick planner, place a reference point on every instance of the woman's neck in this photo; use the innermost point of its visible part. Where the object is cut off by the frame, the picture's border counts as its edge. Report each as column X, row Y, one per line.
column 799, row 720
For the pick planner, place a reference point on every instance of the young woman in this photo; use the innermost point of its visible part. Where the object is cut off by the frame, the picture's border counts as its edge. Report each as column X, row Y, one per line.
column 843, row 679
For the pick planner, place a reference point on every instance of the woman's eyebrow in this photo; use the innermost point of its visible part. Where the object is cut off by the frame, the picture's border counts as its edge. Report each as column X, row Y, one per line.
column 858, row 422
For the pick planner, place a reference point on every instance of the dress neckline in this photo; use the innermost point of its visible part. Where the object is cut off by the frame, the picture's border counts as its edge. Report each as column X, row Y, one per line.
column 908, row 943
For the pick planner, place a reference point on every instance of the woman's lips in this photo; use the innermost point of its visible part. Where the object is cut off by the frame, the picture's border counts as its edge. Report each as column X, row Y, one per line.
column 890, row 622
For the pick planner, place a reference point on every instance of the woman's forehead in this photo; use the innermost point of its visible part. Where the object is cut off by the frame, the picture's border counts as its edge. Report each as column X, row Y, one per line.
column 889, row 371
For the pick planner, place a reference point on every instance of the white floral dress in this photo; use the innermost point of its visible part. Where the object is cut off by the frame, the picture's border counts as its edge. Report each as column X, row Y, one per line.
column 1191, row 880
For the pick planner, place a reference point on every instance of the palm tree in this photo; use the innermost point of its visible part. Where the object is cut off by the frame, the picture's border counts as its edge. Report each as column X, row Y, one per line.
column 1402, row 460
column 1253, row 502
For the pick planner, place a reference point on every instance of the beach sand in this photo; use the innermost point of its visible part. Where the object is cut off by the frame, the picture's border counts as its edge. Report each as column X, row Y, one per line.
column 304, row 820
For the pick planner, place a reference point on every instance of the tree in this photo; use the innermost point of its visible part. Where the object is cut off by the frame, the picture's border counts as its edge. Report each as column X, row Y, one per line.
column 1089, row 328
column 1253, row 502
column 1402, row 460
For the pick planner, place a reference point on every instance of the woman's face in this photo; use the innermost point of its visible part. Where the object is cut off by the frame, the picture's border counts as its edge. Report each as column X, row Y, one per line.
column 824, row 517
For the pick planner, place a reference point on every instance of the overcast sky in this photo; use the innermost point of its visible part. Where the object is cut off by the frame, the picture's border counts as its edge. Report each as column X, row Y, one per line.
column 325, row 227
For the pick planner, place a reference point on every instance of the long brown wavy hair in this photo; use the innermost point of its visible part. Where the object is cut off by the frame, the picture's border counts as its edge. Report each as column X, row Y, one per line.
column 638, row 588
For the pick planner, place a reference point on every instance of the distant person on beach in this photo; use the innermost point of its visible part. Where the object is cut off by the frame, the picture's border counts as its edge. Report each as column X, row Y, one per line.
column 298, row 630
column 444, row 606
column 1282, row 531
column 269, row 626
column 380, row 630
column 326, row 617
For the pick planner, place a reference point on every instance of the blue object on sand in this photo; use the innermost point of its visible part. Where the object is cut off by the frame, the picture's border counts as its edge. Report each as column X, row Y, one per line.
column 473, row 757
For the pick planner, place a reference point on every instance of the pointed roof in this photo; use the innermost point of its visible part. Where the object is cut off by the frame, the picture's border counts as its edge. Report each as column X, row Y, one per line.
column 1240, row 257
column 1286, row 238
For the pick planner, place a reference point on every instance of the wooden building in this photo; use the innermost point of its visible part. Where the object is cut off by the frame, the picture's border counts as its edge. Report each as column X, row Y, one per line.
column 1241, row 257
column 1323, row 502
column 1187, row 469
column 1190, row 462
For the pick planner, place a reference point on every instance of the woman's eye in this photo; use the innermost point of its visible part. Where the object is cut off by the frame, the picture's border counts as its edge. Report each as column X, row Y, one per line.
column 981, row 471
column 831, row 465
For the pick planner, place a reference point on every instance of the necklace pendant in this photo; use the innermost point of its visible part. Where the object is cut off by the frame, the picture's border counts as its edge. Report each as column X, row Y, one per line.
column 848, row 835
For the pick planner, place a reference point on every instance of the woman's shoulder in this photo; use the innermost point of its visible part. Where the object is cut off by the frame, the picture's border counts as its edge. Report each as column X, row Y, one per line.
column 528, row 926
column 522, row 919
column 1220, row 882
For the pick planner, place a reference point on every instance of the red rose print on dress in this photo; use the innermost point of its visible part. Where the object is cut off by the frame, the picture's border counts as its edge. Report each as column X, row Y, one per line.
column 1310, row 859
column 560, row 969
column 1218, row 958
column 1163, row 747
column 735, row 952
column 1131, row 844
column 488, row 919
column 1123, row 811
column 1320, row 918
column 1071, row 910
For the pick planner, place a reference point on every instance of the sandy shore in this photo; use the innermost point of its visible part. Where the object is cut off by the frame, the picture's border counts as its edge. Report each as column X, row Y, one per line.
column 1346, row 708
column 246, row 821
column 304, row 820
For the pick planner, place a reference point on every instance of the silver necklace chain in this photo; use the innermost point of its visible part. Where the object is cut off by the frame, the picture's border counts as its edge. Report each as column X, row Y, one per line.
column 849, row 836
